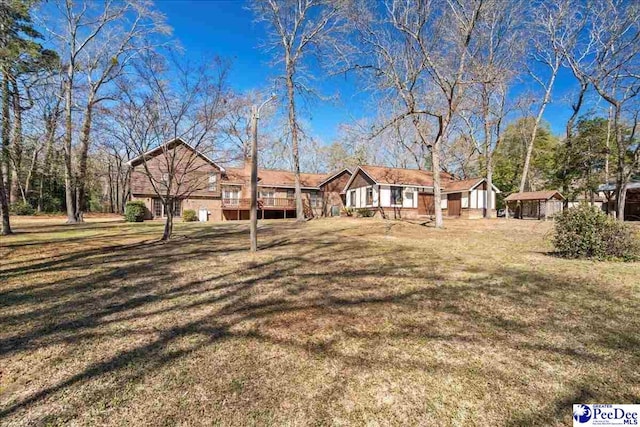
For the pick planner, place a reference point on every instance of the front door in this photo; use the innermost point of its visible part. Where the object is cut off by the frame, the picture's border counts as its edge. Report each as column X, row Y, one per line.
column 425, row 204
column 454, row 204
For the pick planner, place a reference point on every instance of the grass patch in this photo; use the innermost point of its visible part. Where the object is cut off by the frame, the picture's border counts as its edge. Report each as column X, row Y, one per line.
column 337, row 321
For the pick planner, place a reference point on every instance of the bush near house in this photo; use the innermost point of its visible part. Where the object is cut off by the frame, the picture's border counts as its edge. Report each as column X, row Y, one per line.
column 21, row 208
column 365, row 213
column 189, row 215
column 587, row 232
column 347, row 211
column 134, row 211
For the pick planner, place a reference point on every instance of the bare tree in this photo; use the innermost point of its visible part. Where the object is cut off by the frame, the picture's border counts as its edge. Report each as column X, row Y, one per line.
column 298, row 28
column 552, row 24
column 494, row 68
column 98, row 41
column 609, row 60
column 169, row 104
column 422, row 51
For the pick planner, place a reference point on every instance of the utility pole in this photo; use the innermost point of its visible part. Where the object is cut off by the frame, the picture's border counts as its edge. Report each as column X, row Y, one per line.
column 253, row 227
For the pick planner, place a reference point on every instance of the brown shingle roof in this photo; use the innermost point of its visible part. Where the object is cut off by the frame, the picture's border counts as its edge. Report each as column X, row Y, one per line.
column 534, row 195
column 274, row 178
column 462, row 185
column 386, row 175
column 279, row 178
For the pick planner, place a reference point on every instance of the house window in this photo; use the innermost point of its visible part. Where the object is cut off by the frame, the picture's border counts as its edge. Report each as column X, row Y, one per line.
column 314, row 198
column 396, row 195
column 230, row 196
column 409, row 195
column 176, row 206
column 165, row 179
column 352, row 198
column 369, row 196
column 213, row 182
column 157, row 208
column 268, row 197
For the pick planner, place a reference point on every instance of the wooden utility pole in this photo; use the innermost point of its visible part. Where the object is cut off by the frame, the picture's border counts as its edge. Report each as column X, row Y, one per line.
column 254, row 179
column 253, row 228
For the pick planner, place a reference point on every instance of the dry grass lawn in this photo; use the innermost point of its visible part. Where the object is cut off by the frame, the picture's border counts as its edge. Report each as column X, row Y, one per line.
column 333, row 322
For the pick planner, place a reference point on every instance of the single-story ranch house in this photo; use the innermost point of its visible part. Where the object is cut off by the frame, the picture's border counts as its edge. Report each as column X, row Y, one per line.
column 218, row 194
column 408, row 193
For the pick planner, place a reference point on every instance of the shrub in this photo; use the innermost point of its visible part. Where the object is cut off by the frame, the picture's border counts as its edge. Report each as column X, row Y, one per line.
column 189, row 215
column 134, row 211
column 365, row 213
column 587, row 232
column 21, row 208
column 347, row 211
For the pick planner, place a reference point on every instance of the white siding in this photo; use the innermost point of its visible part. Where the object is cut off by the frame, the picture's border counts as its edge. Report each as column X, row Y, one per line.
column 411, row 202
column 443, row 201
column 477, row 199
column 465, row 200
column 480, row 198
column 385, row 196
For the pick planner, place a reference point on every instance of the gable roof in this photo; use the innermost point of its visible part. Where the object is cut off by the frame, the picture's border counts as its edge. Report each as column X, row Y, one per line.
column 454, row 186
column 335, row 175
column 534, row 195
column 169, row 145
column 397, row 176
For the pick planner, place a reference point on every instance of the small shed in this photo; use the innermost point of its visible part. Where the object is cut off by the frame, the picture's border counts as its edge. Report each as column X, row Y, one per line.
column 535, row 204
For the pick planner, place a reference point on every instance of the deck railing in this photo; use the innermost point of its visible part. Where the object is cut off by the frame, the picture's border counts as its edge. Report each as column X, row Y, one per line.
column 263, row 203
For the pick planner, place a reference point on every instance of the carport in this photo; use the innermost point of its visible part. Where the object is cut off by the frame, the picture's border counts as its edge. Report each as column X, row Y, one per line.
column 535, row 204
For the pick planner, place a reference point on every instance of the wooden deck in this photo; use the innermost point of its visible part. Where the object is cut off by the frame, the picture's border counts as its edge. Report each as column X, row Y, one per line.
column 269, row 203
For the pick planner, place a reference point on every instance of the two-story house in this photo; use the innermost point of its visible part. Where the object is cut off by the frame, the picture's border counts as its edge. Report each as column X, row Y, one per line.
column 217, row 193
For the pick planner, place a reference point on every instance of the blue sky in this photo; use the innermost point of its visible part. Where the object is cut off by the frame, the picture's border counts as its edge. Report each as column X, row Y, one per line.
column 226, row 28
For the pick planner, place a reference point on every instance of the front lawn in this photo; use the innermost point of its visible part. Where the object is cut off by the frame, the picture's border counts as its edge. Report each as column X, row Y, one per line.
column 337, row 321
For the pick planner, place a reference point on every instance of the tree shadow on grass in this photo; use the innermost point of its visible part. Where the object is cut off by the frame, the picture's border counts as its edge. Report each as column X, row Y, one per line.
column 300, row 287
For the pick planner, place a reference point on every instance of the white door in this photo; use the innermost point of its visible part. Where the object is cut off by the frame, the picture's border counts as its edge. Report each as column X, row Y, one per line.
column 203, row 215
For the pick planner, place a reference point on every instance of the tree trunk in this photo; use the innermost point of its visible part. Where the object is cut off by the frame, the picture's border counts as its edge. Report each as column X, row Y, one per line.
column 4, row 207
column 487, row 153
column 51, row 124
column 435, row 170
column 437, row 192
column 85, row 139
column 27, row 180
column 294, row 144
column 621, row 184
column 532, row 139
column 168, row 223
column 16, row 145
column 68, row 171
column 566, row 184
column 6, row 128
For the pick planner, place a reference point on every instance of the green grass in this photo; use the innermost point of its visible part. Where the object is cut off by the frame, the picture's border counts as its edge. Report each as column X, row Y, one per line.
column 337, row 321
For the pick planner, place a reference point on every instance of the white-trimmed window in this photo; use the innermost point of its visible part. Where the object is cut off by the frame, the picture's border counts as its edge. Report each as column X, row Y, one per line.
column 352, row 198
column 369, row 196
column 396, row 195
column 268, row 197
column 230, row 196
